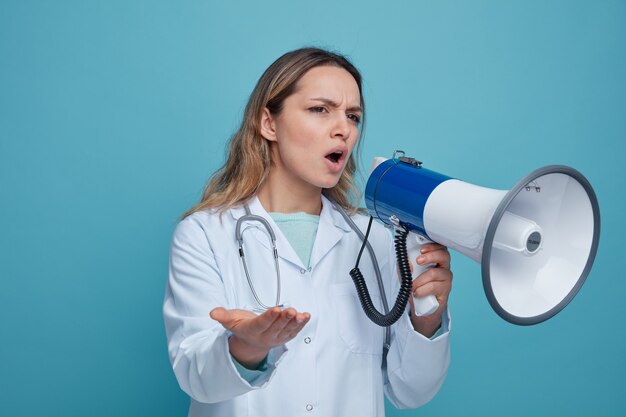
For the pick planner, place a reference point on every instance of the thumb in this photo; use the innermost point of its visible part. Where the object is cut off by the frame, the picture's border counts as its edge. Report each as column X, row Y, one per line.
column 220, row 314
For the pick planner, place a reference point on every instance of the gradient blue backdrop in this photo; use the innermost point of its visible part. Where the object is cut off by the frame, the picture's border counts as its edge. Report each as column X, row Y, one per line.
column 114, row 113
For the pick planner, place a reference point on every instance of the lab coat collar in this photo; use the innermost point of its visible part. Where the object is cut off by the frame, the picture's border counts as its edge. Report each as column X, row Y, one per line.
column 332, row 227
column 334, row 216
column 258, row 232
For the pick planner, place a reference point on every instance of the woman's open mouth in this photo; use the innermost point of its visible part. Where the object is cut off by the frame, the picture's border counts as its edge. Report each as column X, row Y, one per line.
column 334, row 157
column 335, row 160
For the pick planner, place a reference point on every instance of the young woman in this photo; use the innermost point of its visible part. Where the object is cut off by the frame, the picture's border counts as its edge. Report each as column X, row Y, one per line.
column 289, row 171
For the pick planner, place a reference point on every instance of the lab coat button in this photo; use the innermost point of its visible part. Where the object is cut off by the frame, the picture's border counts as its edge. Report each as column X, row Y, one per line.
column 303, row 271
column 307, row 340
column 309, row 407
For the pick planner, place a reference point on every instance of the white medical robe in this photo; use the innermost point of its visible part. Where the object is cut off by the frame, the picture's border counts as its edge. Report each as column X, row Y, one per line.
column 333, row 366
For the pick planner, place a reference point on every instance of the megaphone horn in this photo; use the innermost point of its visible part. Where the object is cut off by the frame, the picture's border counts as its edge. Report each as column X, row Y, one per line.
column 536, row 243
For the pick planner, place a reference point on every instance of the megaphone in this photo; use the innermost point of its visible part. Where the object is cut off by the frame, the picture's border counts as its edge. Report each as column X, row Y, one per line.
column 535, row 243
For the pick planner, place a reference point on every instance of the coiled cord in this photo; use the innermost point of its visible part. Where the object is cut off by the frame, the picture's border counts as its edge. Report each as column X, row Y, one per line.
column 406, row 282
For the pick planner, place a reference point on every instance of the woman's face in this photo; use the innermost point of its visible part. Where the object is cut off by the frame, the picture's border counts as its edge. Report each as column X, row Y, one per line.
column 316, row 130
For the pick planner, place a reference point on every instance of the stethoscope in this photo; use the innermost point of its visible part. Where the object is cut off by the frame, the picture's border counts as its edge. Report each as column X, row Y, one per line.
column 249, row 217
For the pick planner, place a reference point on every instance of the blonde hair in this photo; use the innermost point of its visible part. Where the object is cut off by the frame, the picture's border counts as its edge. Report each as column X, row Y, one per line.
column 248, row 162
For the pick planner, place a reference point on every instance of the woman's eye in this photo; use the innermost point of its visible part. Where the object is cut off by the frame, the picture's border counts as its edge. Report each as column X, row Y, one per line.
column 317, row 109
column 355, row 118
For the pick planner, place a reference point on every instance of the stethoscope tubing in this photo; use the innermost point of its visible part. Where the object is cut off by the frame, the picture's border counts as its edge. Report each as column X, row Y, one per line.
column 239, row 236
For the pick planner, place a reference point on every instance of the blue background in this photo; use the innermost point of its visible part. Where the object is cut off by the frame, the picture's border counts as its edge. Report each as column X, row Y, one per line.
column 113, row 115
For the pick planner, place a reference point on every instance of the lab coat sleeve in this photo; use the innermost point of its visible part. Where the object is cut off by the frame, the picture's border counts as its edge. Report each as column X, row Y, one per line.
column 198, row 345
column 416, row 365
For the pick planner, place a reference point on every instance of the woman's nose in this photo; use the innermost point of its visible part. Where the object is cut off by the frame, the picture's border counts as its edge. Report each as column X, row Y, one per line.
column 341, row 127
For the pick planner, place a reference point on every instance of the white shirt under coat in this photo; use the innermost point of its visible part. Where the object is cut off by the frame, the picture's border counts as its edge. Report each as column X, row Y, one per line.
column 333, row 366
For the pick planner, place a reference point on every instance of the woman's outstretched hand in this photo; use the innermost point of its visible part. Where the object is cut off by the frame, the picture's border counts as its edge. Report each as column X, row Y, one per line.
column 254, row 335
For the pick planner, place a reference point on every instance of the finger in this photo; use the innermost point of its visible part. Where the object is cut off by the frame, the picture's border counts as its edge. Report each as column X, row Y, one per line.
column 439, row 284
column 279, row 324
column 218, row 314
column 432, row 274
column 267, row 319
column 294, row 332
column 440, row 258
column 429, row 247
column 292, row 328
column 433, row 256
column 440, row 289
column 223, row 316
column 302, row 317
column 230, row 318
column 284, row 335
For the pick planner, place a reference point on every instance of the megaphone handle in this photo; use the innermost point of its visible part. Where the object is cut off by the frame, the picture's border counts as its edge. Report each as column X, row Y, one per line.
column 422, row 306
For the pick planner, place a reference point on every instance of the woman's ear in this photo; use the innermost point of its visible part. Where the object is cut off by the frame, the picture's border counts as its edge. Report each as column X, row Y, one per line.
column 268, row 127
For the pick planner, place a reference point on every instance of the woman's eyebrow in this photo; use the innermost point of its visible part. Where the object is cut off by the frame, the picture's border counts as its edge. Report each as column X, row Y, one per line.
column 332, row 103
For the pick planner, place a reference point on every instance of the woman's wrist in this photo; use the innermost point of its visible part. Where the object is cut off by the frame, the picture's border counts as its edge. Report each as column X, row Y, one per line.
column 426, row 326
column 247, row 355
